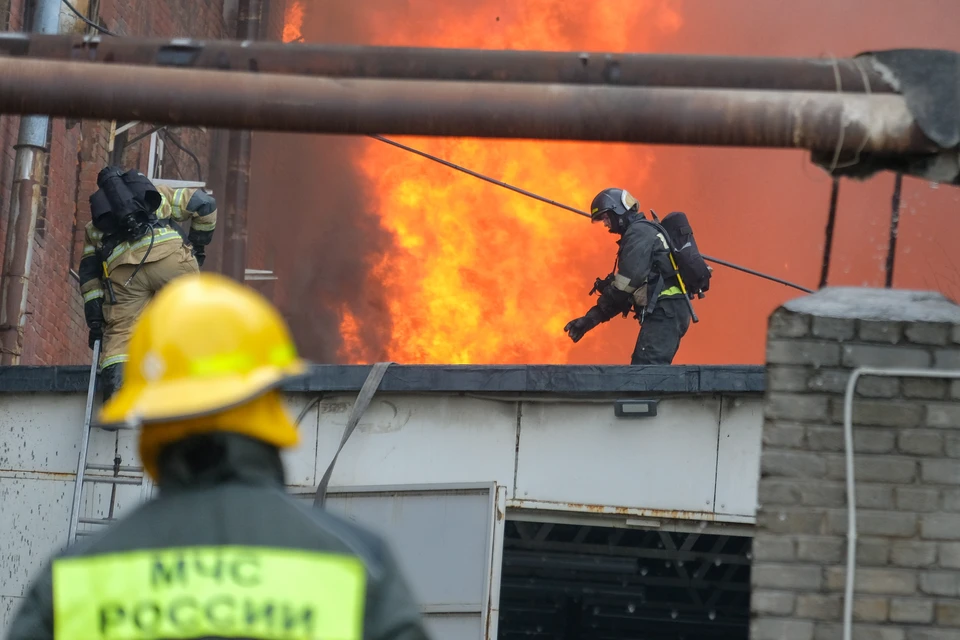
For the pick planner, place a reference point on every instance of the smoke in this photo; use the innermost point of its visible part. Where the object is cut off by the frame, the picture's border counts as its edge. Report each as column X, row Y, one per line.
column 310, row 208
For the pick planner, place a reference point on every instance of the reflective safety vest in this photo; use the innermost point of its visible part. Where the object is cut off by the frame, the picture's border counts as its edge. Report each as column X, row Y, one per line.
column 193, row 592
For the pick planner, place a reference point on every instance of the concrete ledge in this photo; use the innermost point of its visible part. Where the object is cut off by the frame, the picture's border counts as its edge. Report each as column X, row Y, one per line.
column 694, row 379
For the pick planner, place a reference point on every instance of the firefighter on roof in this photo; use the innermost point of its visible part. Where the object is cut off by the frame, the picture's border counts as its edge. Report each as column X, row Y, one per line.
column 133, row 247
column 643, row 280
column 223, row 551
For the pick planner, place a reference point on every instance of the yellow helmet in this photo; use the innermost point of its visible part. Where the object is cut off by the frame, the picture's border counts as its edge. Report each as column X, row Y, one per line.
column 204, row 345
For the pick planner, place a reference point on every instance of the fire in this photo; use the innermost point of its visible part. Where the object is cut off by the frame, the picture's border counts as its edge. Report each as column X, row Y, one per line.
column 350, row 335
column 462, row 271
column 293, row 22
column 480, row 274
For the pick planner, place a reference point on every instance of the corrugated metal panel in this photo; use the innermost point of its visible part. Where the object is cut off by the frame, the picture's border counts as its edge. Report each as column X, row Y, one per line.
column 444, row 537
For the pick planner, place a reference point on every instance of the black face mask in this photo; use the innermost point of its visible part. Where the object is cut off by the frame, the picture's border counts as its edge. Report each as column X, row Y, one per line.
column 610, row 220
column 618, row 224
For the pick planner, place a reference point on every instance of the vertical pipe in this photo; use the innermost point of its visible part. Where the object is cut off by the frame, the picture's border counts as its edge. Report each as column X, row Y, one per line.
column 238, row 164
column 894, row 226
column 29, row 161
column 828, row 239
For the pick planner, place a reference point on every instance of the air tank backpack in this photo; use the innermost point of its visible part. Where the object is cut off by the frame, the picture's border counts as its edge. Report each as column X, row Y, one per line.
column 691, row 265
column 125, row 204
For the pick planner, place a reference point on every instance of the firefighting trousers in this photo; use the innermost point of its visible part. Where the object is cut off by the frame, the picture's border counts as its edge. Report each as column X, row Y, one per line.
column 661, row 332
column 132, row 298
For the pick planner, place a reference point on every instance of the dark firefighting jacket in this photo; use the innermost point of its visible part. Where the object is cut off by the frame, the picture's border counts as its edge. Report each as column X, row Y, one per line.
column 642, row 271
column 99, row 252
column 222, row 552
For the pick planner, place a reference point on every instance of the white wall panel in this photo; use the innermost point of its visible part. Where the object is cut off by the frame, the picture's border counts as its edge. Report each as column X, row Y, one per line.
column 8, row 607
column 35, row 513
column 40, row 432
column 408, row 439
column 301, row 462
column 582, row 453
column 738, row 461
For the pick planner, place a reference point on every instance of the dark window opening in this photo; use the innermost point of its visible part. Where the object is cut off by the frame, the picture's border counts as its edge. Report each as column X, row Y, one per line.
column 576, row 582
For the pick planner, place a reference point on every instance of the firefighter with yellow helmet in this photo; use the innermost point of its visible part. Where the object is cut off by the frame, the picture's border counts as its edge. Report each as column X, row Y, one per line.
column 223, row 551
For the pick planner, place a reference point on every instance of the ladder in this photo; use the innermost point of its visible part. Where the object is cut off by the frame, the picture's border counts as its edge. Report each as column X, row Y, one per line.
column 100, row 474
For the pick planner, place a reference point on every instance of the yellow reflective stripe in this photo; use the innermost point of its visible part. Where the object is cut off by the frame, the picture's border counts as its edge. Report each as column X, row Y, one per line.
column 178, row 198
column 89, row 250
column 93, row 294
column 159, row 237
column 672, row 291
column 238, row 362
column 191, row 592
column 203, row 226
column 112, row 360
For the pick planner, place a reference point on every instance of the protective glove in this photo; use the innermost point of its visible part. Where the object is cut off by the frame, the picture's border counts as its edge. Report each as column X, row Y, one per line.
column 96, row 333
column 93, row 314
column 200, row 255
column 579, row 327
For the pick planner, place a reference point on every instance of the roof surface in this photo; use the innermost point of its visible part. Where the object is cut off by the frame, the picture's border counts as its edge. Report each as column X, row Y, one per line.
column 566, row 379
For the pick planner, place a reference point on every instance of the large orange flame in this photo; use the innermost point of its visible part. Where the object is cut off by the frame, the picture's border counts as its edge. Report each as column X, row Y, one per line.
column 293, row 21
column 479, row 274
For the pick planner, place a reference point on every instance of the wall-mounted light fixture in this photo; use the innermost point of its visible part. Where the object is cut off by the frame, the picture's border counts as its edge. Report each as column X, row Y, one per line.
column 635, row 408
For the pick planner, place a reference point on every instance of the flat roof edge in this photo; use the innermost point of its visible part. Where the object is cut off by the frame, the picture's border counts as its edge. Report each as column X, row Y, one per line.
column 571, row 379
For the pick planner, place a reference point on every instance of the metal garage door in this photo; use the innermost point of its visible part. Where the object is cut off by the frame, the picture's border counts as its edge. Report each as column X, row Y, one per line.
column 448, row 539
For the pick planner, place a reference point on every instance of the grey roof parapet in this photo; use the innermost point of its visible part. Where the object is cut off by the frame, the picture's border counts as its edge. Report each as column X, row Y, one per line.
column 566, row 379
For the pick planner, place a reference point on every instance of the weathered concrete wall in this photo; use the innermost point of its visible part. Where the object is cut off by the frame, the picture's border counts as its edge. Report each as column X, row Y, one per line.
column 907, row 470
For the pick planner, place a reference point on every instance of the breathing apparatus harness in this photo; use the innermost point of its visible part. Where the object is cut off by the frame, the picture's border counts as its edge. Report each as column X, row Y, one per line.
column 124, row 209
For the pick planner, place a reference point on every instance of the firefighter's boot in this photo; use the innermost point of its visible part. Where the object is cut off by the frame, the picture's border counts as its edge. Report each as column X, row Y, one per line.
column 110, row 380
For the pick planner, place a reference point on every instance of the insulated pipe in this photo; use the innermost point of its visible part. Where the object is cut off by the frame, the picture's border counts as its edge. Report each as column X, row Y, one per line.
column 28, row 163
column 818, row 121
column 418, row 63
column 848, row 454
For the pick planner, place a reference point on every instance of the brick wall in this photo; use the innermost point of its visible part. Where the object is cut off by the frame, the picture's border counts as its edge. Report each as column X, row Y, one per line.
column 55, row 332
column 907, row 470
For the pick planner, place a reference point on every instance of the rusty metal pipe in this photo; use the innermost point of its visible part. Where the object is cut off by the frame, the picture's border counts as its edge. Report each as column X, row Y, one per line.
column 236, row 205
column 238, row 165
column 18, row 255
column 29, row 165
column 420, row 63
column 874, row 123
